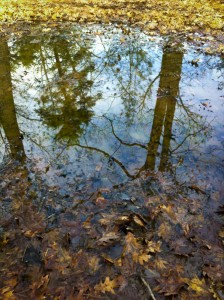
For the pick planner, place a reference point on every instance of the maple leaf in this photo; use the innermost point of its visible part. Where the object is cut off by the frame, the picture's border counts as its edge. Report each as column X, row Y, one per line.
column 106, row 286
column 143, row 258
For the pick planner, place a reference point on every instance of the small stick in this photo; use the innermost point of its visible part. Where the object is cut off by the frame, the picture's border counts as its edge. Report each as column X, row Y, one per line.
column 148, row 287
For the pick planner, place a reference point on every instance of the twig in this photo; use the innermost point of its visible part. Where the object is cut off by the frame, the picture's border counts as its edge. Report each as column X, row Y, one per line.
column 149, row 289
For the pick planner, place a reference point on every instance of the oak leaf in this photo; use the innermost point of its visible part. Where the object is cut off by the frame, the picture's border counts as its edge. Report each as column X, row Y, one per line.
column 108, row 238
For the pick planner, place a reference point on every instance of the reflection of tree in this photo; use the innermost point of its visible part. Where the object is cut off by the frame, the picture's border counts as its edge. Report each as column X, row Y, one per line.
column 132, row 66
column 165, row 108
column 8, row 119
column 67, row 102
column 161, row 131
column 67, row 75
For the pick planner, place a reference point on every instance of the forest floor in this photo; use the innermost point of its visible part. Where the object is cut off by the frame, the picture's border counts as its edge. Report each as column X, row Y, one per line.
column 163, row 17
column 148, row 238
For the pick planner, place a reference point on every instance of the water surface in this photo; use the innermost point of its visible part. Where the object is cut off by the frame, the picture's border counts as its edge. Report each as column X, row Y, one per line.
column 91, row 108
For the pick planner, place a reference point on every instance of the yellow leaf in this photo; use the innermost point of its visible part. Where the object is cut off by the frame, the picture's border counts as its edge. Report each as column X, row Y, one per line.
column 46, row 29
column 138, row 221
column 154, row 246
column 221, row 233
column 160, row 263
column 197, row 285
column 169, row 210
column 7, row 294
column 143, row 258
column 106, row 286
column 94, row 263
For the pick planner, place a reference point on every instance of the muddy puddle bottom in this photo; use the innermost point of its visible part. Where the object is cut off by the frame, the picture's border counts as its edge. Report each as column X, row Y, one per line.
column 111, row 155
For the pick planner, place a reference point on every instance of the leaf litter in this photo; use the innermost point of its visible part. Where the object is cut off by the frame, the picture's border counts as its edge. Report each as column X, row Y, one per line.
column 153, row 17
column 155, row 248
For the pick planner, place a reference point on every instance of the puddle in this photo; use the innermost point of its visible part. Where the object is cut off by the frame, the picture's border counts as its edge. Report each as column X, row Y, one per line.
column 118, row 138
column 93, row 108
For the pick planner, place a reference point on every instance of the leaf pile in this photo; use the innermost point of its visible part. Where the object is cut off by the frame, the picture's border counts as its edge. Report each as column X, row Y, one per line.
column 110, row 242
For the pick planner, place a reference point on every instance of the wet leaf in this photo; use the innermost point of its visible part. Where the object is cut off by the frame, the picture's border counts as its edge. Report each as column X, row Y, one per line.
column 160, row 263
column 154, row 246
column 140, row 257
column 197, row 285
column 108, row 238
column 106, row 286
column 170, row 285
column 94, row 263
column 131, row 244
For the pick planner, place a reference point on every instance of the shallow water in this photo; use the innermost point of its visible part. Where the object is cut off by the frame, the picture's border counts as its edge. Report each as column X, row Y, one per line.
column 90, row 108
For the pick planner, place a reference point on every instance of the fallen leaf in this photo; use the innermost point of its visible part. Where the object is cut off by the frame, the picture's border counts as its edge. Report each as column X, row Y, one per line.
column 94, row 263
column 164, row 231
column 154, row 246
column 106, row 286
column 141, row 258
column 197, row 285
column 108, row 238
column 160, row 263
column 131, row 244
column 138, row 221
column 170, row 285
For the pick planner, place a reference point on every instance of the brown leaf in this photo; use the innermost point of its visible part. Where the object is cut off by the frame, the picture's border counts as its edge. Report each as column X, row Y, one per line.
column 216, row 273
column 165, row 231
column 170, row 285
column 108, row 238
column 160, row 263
column 138, row 221
column 101, row 201
column 131, row 244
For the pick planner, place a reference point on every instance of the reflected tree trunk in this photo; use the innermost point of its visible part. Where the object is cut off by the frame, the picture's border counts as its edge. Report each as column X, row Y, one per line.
column 161, row 132
column 8, row 119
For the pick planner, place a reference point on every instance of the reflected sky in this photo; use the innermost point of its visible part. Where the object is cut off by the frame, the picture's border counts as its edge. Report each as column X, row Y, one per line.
column 97, row 107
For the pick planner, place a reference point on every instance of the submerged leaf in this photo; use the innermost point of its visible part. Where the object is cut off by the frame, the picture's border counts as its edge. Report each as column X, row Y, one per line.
column 106, row 286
